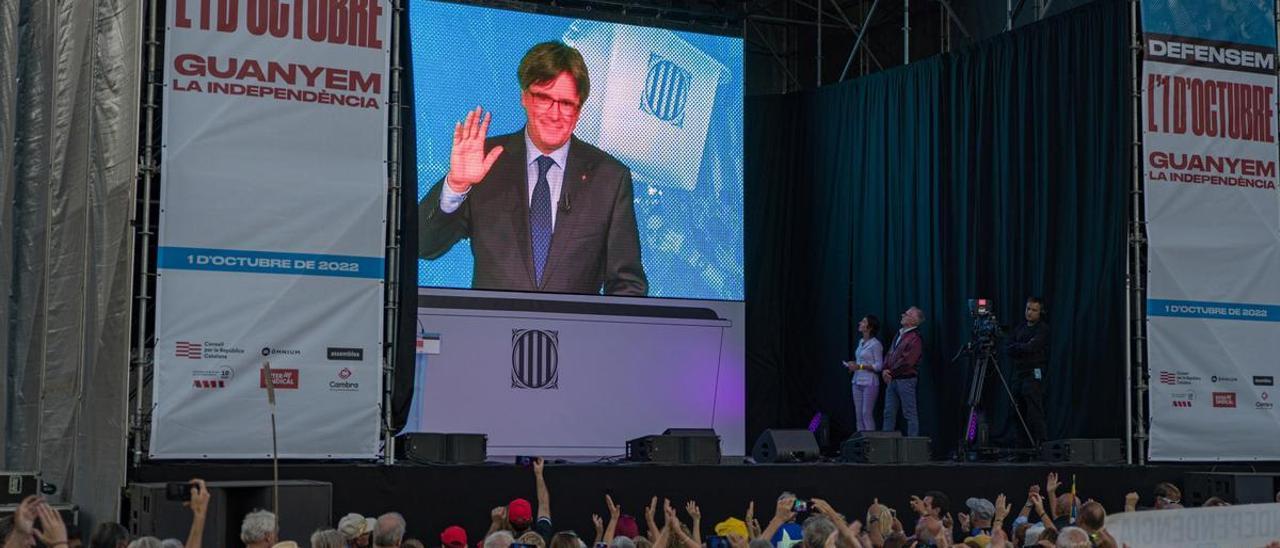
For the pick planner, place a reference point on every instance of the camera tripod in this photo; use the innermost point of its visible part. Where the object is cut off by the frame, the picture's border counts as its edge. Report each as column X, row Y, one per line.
column 983, row 353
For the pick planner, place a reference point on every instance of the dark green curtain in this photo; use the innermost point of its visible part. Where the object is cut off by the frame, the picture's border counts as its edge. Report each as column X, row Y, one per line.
column 998, row 171
column 818, row 240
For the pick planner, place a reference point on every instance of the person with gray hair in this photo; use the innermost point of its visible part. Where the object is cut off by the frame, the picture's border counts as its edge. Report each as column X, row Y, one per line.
column 1073, row 537
column 258, row 530
column 499, row 539
column 171, row 543
column 145, row 542
column 622, row 542
column 901, row 372
column 328, row 538
column 389, row 531
column 815, row 531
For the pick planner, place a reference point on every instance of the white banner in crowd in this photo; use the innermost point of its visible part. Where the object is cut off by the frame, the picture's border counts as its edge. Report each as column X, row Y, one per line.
column 271, row 244
column 1243, row 526
column 1213, row 221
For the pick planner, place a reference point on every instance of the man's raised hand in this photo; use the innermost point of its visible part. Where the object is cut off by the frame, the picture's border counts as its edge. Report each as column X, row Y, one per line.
column 1052, row 484
column 199, row 503
column 1131, row 501
column 52, row 531
column 692, row 509
column 24, row 518
column 615, row 511
column 468, row 163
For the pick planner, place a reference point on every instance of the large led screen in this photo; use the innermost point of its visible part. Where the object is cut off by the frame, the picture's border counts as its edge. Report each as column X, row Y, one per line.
column 576, row 156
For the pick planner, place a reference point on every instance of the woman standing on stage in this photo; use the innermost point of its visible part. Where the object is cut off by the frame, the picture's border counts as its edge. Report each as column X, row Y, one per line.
column 868, row 361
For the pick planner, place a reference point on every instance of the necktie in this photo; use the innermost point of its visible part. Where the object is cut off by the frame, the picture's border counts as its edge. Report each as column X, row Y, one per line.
column 540, row 217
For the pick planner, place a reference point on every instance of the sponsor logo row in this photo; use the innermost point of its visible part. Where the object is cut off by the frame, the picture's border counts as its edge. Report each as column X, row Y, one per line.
column 344, row 380
column 1221, row 400
column 218, row 350
column 1182, row 378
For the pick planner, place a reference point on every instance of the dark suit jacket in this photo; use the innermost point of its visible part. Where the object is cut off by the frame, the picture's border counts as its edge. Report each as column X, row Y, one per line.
column 595, row 244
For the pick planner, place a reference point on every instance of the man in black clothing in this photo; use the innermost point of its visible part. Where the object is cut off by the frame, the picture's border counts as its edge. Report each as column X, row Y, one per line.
column 1029, row 349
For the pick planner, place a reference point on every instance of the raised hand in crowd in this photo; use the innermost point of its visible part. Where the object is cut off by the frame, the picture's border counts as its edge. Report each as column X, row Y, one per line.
column 1002, row 511
column 1037, row 504
column 919, row 506
column 1051, row 489
column 24, row 523
column 1052, row 484
column 199, row 505
column 1026, row 507
column 695, row 515
column 847, row 533
column 753, row 524
column 497, row 520
column 676, row 530
column 782, row 513
column 650, row 523
column 615, row 513
column 52, row 532
column 1131, row 501
column 544, row 495
column 599, row 524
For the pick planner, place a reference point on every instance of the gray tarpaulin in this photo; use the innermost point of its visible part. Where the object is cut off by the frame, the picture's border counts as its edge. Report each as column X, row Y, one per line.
column 69, row 87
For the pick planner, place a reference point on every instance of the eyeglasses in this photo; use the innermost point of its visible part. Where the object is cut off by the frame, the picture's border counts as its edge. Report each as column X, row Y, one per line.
column 543, row 103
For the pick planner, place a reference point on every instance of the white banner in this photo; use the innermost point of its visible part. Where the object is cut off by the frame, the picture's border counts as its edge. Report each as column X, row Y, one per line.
column 1245, row 526
column 1213, row 221
column 272, row 223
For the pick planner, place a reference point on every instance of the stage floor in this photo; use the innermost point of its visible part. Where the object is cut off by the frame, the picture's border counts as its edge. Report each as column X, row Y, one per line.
column 436, row 496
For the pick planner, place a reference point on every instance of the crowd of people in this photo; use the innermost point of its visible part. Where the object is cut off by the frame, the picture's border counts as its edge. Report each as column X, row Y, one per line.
column 1049, row 517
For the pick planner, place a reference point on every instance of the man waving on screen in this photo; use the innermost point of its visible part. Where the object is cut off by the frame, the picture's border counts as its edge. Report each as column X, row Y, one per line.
column 544, row 210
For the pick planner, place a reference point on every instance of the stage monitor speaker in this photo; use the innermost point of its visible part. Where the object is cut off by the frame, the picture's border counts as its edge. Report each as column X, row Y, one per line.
column 785, row 446
column 1234, row 487
column 697, row 445
column 871, row 447
column 688, row 432
column 433, row 448
column 1083, row 450
column 466, row 448
column 422, row 448
column 914, row 449
column 660, row 449
column 885, row 448
column 304, row 507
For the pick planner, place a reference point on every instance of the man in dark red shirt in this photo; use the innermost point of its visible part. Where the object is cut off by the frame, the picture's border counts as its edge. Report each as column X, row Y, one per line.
column 900, row 373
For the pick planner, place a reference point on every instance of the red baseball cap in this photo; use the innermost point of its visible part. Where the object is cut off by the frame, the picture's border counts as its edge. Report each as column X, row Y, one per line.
column 520, row 512
column 627, row 526
column 454, row 536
